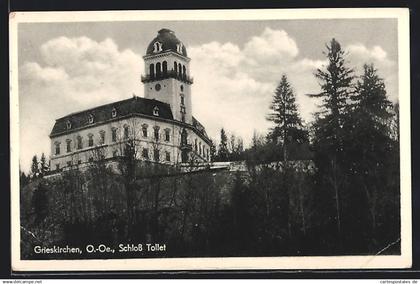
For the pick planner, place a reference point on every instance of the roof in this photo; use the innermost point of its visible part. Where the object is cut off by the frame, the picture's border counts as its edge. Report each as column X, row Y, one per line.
column 135, row 105
column 169, row 43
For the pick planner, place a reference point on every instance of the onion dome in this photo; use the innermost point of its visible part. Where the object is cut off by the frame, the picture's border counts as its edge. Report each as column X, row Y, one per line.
column 166, row 41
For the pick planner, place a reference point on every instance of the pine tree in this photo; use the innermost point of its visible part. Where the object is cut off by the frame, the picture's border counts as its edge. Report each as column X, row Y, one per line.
column 44, row 167
column 223, row 151
column 35, row 166
column 336, row 89
column 284, row 113
column 371, row 149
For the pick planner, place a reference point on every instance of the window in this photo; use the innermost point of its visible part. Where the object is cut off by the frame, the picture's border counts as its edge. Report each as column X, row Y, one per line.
column 156, row 111
column 157, row 47
column 184, row 71
column 168, row 156
column 90, row 140
column 57, row 167
column 145, row 153
column 158, row 69
column 79, row 142
column 183, row 109
column 68, row 143
column 68, row 163
column 165, row 67
column 183, row 117
column 156, row 132
column 114, row 134
column 182, row 99
column 195, row 145
column 114, row 112
column 126, row 132
column 175, row 67
column 156, row 155
column 179, row 69
column 68, row 124
column 57, row 148
column 102, row 137
column 144, row 130
column 179, row 47
column 90, row 118
column 79, row 162
column 182, row 88
column 152, row 70
column 167, row 135
column 208, row 154
column 90, row 159
column 199, row 147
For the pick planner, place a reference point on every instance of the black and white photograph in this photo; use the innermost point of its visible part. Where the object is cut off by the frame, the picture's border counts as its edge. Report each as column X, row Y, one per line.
column 247, row 139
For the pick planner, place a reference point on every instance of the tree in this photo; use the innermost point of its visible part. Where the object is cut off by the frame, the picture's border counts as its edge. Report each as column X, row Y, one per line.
column 336, row 88
column 223, row 151
column 35, row 166
column 284, row 114
column 372, row 154
column 43, row 165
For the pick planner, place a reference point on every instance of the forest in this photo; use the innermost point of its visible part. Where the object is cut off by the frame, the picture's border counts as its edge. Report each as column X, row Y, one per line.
column 328, row 187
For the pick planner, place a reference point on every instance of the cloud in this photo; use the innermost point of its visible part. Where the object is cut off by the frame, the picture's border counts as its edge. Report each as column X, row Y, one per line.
column 77, row 72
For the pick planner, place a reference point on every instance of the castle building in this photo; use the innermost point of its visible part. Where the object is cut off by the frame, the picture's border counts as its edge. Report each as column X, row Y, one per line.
column 161, row 124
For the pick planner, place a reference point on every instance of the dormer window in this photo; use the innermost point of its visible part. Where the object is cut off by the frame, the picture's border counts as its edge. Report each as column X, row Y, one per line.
column 68, row 124
column 179, row 47
column 90, row 118
column 157, row 47
column 156, row 111
column 114, row 112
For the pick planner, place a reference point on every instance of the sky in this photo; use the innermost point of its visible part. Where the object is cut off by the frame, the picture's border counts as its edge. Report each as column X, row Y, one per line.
column 236, row 65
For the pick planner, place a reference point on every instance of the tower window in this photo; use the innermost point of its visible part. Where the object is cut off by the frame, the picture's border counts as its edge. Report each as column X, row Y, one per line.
column 114, row 112
column 156, row 132
column 182, row 99
column 184, row 71
column 158, row 69
column 167, row 135
column 90, row 140
column 79, row 142
column 175, row 67
column 152, row 70
column 68, row 124
column 156, row 111
column 157, row 47
column 183, row 117
column 167, row 156
column 182, row 109
column 182, row 88
column 179, row 69
column 165, row 67
column 57, row 148
column 144, row 130
column 114, row 134
column 68, row 143
column 102, row 136
column 126, row 132
column 90, row 118
column 179, row 47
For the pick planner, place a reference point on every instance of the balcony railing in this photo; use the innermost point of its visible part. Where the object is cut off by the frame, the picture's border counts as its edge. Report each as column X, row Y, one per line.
column 166, row 75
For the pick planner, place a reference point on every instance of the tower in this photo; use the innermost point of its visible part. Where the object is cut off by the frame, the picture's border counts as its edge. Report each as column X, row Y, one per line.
column 167, row 76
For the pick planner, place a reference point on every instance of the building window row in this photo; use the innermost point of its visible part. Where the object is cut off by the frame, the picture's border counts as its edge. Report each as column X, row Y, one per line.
column 114, row 137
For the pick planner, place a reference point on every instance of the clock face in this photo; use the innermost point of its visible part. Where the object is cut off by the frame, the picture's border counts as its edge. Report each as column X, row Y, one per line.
column 157, row 87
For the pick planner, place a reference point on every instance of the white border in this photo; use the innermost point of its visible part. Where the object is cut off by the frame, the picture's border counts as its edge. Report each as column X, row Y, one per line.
column 332, row 262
